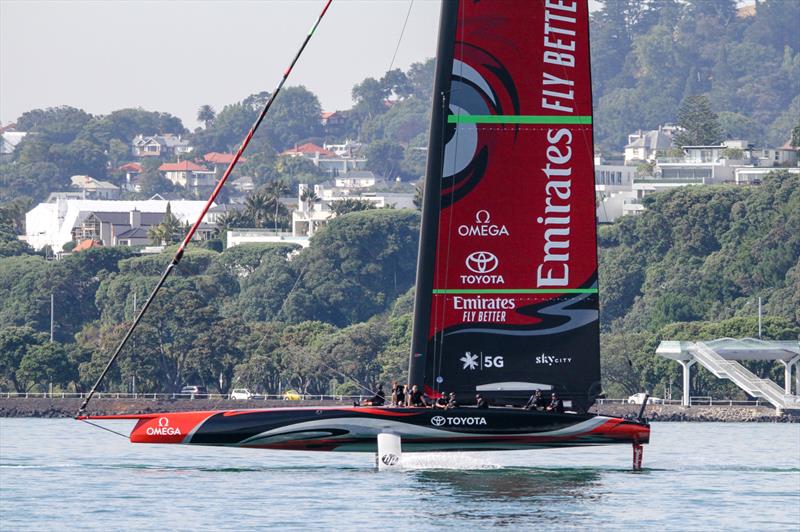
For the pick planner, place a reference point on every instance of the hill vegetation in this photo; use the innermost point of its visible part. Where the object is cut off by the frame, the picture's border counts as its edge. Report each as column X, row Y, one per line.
column 337, row 316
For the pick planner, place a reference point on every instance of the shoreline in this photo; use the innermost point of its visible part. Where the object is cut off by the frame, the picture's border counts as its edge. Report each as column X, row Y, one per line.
column 16, row 407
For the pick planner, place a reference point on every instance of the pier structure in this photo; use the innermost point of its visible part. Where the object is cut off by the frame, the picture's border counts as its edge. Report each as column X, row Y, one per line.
column 722, row 358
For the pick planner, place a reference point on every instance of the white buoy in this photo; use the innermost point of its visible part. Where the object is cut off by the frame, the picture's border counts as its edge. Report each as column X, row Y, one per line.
column 389, row 451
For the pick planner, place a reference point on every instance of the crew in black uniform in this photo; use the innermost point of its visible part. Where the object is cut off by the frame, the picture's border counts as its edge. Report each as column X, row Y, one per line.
column 536, row 402
column 399, row 395
column 441, row 402
column 415, row 397
column 556, row 404
column 452, row 403
column 481, row 401
column 379, row 399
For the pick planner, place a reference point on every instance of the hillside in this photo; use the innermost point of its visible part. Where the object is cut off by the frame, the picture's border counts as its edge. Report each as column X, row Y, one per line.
column 691, row 266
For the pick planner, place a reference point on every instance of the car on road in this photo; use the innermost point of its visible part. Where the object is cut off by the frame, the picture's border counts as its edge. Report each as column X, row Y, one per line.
column 291, row 395
column 638, row 398
column 242, row 394
column 194, row 392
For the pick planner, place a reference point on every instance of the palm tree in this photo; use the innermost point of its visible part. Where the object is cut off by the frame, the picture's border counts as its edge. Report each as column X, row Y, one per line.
column 257, row 206
column 168, row 231
column 274, row 191
column 206, row 115
column 309, row 196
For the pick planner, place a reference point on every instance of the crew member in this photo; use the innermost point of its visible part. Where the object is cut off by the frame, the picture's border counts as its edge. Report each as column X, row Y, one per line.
column 397, row 392
column 452, row 403
column 531, row 404
column 415, row 397
column 556, row 404
column 481, row 401
column 379, row 399
column 441, row 402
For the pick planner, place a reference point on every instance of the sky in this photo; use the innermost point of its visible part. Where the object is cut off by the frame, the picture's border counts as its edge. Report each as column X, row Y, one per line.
column 174, row 56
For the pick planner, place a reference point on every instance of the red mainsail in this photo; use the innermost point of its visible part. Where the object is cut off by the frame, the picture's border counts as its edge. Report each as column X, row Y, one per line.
column 507, row 298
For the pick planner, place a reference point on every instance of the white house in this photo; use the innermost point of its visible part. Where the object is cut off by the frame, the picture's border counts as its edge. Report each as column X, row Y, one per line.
column 160, row 146
column 644, row 146
column 92, row 188
column 325, row 159
column 313, row 214
column 52, row 224
column 189, row 175
column 357, row 179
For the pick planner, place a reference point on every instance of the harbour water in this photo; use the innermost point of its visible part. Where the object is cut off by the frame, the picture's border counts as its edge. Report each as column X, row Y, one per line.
column 59, row 474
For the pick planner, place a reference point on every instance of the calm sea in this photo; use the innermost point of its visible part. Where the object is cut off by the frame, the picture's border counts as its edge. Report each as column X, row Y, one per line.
column 65, row 475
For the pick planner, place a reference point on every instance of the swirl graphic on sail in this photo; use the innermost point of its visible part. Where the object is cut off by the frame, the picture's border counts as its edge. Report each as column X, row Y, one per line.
column 466, row 154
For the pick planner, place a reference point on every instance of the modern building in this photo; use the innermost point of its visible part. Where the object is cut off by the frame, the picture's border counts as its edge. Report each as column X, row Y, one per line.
column 357, row 179
column 312, row 214
column 621, row 188
column 54, row 224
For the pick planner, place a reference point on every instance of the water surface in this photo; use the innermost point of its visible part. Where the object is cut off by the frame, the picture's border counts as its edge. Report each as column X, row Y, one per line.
column 62, row 474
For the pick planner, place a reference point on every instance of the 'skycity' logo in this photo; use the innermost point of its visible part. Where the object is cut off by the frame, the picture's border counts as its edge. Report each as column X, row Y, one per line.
column 482, row 263
column 551, row 360
column 483, row 226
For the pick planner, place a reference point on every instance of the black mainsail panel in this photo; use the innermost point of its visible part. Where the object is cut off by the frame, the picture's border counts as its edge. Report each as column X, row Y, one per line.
column 507, row 298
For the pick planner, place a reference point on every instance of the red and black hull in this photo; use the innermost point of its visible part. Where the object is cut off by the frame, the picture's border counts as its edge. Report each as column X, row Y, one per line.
column 355, row 429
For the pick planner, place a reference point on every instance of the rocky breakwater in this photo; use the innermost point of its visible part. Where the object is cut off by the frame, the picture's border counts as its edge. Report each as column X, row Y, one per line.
column 731, row 414
column 54, row 407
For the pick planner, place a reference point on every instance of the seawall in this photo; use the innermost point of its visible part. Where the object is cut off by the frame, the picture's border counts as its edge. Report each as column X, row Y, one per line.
column 62, row 408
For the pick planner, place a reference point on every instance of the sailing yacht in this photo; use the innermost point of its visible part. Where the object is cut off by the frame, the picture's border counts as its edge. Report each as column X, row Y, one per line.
column 507, row 290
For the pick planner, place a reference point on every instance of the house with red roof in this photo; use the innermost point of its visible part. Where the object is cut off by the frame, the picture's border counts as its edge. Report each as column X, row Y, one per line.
column 325, row 159
column 189, row 175
column 222, row 159
column 308, row 150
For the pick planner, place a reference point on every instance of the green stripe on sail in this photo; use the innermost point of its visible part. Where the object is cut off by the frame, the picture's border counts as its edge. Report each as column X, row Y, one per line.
column 517, row 119
column 515, row 291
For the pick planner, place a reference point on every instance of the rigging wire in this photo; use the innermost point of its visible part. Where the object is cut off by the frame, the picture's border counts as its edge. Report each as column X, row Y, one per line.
column 179, row 254
column 410, row 5
column 104, row 428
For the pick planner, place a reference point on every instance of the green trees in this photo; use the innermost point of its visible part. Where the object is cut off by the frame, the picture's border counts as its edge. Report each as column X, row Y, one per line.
column 206, row 114
column 366, row 257
column 384, row 158
column 351, row 205
column 294, row 116
column 14, row 345
column 64, row 141
column 652, row 55
column 168, row 231
column 700, row 125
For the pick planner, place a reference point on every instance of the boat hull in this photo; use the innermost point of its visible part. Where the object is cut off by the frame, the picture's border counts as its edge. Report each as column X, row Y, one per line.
column 355, row 429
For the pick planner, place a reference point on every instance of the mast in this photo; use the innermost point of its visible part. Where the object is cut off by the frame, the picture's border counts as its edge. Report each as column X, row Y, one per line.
column 430, row 199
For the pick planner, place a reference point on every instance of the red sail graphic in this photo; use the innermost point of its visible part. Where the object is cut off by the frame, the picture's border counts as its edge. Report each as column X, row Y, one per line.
column 513, row 272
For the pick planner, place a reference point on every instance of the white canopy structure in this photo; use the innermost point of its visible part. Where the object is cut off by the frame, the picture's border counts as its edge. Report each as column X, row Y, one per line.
column 721, row 358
